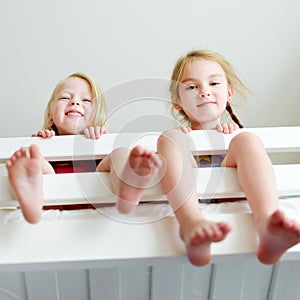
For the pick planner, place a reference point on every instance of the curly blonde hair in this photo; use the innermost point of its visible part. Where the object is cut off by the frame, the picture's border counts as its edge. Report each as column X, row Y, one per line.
column 232, row 80
column 99, row 116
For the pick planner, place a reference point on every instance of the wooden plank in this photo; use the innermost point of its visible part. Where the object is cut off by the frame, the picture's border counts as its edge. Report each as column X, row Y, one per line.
column 241, row 280
column 196, row 282
column 285, row 281
column 222, row 282
column 88, row 238
column 73, row 284
column 135, row 282
column 257, row 280
column 167, row 282
column 75, row 147
column 12, row 286
column 95, row 187
column 275, row 139
column 127, row 283
column 47, row 286
column 94, row 241
column 104, row 282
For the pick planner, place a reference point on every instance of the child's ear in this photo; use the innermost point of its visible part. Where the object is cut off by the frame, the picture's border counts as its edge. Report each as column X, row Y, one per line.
column 230, row 94
column 177, row 106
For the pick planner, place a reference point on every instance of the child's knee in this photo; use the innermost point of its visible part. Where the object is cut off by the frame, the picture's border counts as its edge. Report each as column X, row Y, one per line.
column 245, row 140
column 171, row 136
column 121, row 151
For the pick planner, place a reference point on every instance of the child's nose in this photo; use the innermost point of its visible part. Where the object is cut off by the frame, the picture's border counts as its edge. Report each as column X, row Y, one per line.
column 74, row 102
column 205, row 93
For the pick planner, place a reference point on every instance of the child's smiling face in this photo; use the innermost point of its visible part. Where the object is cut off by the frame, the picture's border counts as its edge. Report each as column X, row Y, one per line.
column 204, row 93
column 74, row 106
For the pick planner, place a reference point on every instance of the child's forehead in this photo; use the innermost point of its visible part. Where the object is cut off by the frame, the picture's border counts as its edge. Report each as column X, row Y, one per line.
column 74, row 84
column 201, row 66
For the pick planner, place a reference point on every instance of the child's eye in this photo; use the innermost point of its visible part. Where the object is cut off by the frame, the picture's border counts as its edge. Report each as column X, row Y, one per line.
column 87, row 100
column 191, row 87
column 215, row 83
column 65, row 98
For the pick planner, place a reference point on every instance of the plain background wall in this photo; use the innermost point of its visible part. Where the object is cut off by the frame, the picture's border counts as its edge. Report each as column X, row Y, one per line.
column 130, row 47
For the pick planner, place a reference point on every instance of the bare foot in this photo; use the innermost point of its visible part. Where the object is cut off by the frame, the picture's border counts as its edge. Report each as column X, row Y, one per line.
column 25, row 175
column 140, row 170
column 279, row 234
column 198, row 238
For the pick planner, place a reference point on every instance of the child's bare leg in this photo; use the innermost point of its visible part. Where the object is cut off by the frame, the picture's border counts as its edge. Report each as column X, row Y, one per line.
column 130, row 173
column 255, row 173
column 25, row 169
column 178, row 183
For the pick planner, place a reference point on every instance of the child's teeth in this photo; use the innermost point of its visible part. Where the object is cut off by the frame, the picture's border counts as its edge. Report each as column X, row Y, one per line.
column 74, row 114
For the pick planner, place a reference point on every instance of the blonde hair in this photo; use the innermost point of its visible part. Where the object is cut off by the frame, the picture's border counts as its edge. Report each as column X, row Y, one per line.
column 232, row 80
column 99, row 116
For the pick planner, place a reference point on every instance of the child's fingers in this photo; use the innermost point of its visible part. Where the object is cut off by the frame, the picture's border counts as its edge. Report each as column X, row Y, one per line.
column 86, row 133
column 49, row 133
column 219, row 128
column 227, row 127
column 94, row 133
column 103, row 130
column 44, row 133
column 185, row 129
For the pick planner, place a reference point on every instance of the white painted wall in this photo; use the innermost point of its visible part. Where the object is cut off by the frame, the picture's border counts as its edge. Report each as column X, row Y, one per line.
column 120, row 41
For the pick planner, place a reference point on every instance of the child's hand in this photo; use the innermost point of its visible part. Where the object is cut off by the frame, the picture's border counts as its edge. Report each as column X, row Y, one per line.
column 44, row 133
column 94, row 133
column 185, row 129
column 227, row 127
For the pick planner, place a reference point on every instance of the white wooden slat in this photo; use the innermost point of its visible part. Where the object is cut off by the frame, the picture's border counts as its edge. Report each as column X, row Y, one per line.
column 135, row 282
column 42, row 284
column 241, row 280
column 257, row 281
column 126, row 283
column 222, row 284
column 285, row 281
column 96, row 240
column 73, row 284
column 275, row 139
column 84, row 240
column 196, row 282
column 74, row 147
column 167, row 282
column 12, row 286
column 105, row 284
column 96, row 188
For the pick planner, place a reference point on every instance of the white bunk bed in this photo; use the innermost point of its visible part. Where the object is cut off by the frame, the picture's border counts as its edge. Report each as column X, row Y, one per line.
column 101, row 254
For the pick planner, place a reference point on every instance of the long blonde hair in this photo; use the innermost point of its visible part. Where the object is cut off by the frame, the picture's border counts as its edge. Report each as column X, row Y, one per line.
column 232, row 80
column 99, row 116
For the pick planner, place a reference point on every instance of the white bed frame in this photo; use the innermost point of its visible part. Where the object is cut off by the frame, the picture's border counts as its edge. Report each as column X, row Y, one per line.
column 75, row 255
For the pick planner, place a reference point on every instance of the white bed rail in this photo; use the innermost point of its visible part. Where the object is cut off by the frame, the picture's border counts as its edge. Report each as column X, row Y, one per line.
column 96, row 238
column 276, row 139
